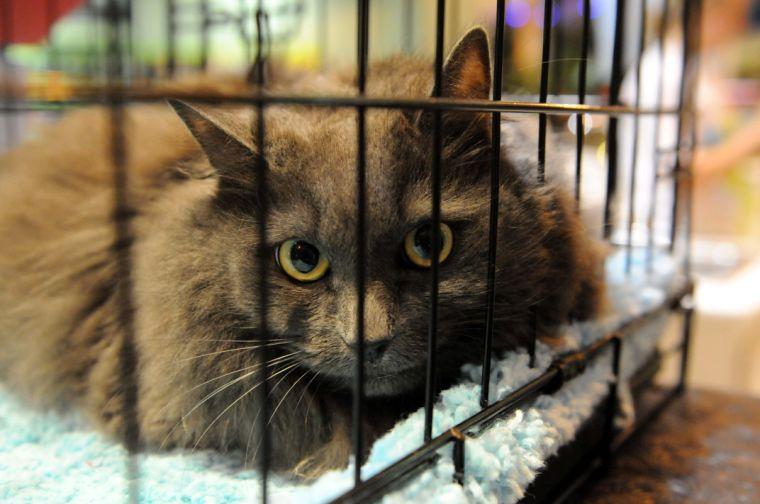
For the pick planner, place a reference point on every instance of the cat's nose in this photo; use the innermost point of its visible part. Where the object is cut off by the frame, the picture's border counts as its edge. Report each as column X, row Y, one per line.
column 373, row 350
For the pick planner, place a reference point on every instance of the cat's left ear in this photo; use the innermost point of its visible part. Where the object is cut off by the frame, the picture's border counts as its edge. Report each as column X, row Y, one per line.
column 466, row 74
column 467, row 71
column 224, row 139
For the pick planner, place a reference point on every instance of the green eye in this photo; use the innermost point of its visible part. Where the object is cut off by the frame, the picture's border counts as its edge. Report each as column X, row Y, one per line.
column 301, row 260
column 418, row 245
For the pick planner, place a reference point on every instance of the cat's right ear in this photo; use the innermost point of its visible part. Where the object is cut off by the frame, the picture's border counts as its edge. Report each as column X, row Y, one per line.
column 224, row 140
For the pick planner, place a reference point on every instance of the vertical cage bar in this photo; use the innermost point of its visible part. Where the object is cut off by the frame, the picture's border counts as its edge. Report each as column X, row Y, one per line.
column 544, row 87
column 687, row 34
column 127, row 51
column 435, row 175
column 635, row 140
column 358, row 404
column 612, row 396
column 93, row 59
column 122, row 213
column 695, row 49
column 493, row 216
column 263, row 253
column 51, row 8
column 458, row 455
column 7, row 26
column 8, row 93
column 171, row 37
column 580, row 130
column 205, row 28
column 616, row 79
column 652, row 210
column 534, row 338
column 543, row 96
column 407, row 20
column 687, row 307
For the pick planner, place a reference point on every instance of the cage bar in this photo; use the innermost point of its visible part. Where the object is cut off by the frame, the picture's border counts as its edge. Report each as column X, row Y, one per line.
column 435, row 175
column 544, row 86
column 7, row 10
column 358, row 403
column 493, row 216
column 688, row 33
column 205, row 35
column 121, row 214
column 8, row 95
column 612, row 396
column 458, row 455
column 687, row 307
column 652, row 210
column 616, row 79
column 407, row 21
column 543, row 97
column 580, row 130
column 694, row 49
column 51, row 7
column 88, row 95
column 635, row 140
column 171, row 37
column 262, row 252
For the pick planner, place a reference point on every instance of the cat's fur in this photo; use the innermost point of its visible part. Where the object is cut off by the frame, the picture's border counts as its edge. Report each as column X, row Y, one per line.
column 193, row 247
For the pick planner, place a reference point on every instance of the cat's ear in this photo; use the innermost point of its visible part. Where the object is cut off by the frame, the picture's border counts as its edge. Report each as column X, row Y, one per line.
column 467, row 71
column 466, row 74
column 223, row 139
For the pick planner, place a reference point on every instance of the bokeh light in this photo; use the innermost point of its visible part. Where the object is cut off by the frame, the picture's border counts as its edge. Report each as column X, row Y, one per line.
column 538, row 14
column 597, row 7
column 517, row 13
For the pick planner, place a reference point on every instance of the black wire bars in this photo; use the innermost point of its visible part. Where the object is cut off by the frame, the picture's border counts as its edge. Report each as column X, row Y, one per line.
column 118, row 90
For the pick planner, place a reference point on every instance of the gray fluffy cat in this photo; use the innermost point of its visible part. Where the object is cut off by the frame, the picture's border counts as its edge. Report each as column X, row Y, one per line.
column 194, row 251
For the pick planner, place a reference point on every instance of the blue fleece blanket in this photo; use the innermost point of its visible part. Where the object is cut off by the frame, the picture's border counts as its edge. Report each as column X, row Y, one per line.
column 45, row 457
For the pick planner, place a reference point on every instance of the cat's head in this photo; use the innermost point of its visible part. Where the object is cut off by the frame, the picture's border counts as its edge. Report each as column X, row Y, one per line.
column 311, row 249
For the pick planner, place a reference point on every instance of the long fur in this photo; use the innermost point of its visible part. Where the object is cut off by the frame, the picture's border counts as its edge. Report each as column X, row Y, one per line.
column 193, row 243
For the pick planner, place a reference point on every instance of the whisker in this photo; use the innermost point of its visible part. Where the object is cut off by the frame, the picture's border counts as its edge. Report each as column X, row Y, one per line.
column 286, row 395
column 258, row 445
column 216, row 391
column 236, row 340
column 275, row 361
column 308, row 408
column 237, row 349
column 243, row 395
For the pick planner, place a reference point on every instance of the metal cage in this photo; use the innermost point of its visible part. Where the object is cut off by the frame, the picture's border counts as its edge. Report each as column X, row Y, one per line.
column 118, row 87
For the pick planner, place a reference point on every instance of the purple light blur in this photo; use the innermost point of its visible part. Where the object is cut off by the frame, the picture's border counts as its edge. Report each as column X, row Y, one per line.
column 597, row 6
column 517, row 13
column 538, row 14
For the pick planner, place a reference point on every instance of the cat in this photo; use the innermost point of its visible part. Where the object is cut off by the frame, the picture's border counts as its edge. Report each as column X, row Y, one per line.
column 193, row 246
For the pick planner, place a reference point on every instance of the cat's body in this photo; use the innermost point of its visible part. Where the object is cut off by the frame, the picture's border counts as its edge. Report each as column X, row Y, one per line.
column 193, row 251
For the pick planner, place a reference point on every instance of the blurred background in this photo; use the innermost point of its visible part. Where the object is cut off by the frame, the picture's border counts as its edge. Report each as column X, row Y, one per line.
column 49, row 47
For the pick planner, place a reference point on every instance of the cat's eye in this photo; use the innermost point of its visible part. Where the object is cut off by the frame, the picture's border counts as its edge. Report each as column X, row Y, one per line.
column 418, row 245
column 301, row 260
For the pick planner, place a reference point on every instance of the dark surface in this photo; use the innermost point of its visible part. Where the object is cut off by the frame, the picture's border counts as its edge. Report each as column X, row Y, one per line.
column 705, row 447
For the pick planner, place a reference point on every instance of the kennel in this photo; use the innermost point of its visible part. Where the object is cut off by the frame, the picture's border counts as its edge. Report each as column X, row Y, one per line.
column 111, row 76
